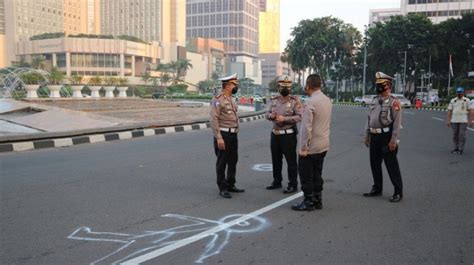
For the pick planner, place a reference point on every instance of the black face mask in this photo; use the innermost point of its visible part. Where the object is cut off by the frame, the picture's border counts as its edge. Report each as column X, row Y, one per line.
column 284, row 91
column 235, row 89
column 380, row 88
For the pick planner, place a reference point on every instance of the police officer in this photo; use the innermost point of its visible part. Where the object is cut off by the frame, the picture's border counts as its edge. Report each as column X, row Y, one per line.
column 314, row 144
column 458, row 119
column 285, row 113
column 225, row 126
column 382, row 136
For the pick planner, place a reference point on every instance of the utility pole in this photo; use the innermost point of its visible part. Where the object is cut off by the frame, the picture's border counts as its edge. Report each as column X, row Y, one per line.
column 405, row 72
column 365, row 62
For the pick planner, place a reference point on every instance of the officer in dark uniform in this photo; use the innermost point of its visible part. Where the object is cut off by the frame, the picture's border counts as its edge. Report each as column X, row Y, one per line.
column 225, row 126
column 285, row 113
column 382, row 137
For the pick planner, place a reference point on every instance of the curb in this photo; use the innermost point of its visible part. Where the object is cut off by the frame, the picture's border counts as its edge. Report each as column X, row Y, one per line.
column 413, row 108
column 108, row 136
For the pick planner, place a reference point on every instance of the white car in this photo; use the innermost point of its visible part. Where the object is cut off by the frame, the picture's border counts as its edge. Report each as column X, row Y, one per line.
column 404, row 102
column 358, row 99
column 367, row 99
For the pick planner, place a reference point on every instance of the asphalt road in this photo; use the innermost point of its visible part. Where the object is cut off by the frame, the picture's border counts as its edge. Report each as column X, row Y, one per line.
column 144, row 199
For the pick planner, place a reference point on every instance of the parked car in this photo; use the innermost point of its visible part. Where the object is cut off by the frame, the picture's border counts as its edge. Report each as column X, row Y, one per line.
column 257, row 98
column 358, row 99
column 157, row 95
column 367, row 99
column 404, row 102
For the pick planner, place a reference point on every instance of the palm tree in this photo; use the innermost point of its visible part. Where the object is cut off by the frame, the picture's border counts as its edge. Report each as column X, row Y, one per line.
column 165, row 78
column 96, row 80
column 183, row 65
column 76, row 79
column 56, row 76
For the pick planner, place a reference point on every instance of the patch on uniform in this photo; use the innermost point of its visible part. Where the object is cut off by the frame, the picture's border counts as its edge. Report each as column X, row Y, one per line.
column 216, row 103
column 396, row 105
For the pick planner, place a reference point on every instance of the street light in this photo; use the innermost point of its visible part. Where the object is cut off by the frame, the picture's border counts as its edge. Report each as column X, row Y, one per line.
column 365, row 61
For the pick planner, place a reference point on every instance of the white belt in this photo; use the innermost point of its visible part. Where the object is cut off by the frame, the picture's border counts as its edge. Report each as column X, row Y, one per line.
column 231, row 130
column 379, row 130
column 287, row 131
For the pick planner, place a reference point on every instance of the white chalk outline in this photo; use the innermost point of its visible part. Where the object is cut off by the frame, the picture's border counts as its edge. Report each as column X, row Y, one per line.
column 186, row 241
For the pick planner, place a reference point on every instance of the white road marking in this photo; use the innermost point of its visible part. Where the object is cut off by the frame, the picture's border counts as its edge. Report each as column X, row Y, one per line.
column 470, row 129
column 192, row 239
column 437, row 118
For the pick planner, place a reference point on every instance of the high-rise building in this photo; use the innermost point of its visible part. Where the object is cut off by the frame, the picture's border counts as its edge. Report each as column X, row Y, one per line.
column 269, row 25
column 381, row 15
column 25, row 18
column 151, row 20
column 273, row 67
column 235, row 23
column 2, row 34
column 437, row 10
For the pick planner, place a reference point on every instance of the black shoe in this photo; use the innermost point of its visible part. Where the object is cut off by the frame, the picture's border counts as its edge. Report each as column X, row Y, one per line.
column 455, row 151
column 235, row 189
column 460, row 152
column 225, row 194
column 396, row 198
column 373, row 193
column 318, row 204
column 303, row 206
column 274, row 186
column 290, row 189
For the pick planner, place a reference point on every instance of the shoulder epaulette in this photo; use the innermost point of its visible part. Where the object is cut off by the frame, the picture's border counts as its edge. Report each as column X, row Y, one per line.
column 294, row 97
column 275, row 97
column 218, row 96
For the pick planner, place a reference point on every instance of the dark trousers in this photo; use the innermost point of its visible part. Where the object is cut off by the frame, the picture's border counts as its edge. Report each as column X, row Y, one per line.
column 284, row 144
column 459, row 135
column 311, row 170
column 226, row 158
column 379, row 152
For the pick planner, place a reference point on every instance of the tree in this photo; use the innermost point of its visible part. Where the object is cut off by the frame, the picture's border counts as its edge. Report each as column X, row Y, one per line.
column 183, row 65
column 205, row 86
column 321, row 43
column 76, row 79
column 38, row 62
column 96, row 80
column 56, row 77
column 146, row 77
column 388, row 41
column 246, row 85
column 165, row 79
column 21, row 63
column 273, row 86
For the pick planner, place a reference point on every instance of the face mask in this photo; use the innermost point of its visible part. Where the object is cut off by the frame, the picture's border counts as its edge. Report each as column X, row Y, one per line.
column 380, row 88
column 235, row 89
column 284, row 91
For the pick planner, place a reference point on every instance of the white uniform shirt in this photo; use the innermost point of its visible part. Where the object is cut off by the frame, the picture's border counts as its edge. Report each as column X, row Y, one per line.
column 460, row 109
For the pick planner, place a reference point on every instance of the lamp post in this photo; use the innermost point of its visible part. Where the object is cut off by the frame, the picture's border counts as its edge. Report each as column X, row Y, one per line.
column 365, row 61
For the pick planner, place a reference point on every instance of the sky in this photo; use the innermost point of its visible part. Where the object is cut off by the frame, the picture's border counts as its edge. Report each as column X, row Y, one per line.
column 355, row 12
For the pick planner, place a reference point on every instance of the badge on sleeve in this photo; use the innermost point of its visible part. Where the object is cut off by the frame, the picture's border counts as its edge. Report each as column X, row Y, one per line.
column 396, row 105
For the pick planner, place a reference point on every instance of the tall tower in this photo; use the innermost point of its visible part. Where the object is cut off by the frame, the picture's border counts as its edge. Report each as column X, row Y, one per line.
column 269, row 26
column 150, row 20
column 233, row 22
column 3, row 61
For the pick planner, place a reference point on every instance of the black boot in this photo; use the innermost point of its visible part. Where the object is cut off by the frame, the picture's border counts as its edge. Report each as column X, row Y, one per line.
column 306, row 205
column 318, row 201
